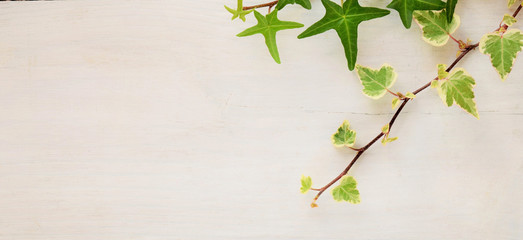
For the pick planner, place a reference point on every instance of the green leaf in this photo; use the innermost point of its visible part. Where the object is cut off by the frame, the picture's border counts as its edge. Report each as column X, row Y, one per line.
column 509, row 19
column 385, row 129
column 457, row 88
column 442, row 71
column 268, row 26
column 304, row 3
column 239, row 12
column 451, row 5
column 346, row 191
column 434, row 84
column 386, row 140
column 344, row 136
column 436, row 29
column 306, row 184
column 345, row 21
column 395, row 102
column 511, row 2
column 410, row 95
column 406, row 7
column 503, row 49
column 376, row 82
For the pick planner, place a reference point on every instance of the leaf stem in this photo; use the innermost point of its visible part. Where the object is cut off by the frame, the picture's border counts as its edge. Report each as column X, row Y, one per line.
column 269, row 4
column 391, row 92
column 452, row 37
column 362, row 150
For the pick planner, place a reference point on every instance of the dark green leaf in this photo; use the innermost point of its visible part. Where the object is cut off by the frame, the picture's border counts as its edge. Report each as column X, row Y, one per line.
column 406, row 7
column 345, row 21
column 304, row 3
column 451, row 5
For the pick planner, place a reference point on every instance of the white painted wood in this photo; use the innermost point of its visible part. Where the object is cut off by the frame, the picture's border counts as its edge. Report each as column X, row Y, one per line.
column 151, row 120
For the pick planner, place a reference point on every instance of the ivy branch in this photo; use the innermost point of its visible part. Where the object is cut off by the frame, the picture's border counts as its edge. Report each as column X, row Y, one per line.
column 390, row 124
column 437, row 22
column 362, row 150
column 269, row 4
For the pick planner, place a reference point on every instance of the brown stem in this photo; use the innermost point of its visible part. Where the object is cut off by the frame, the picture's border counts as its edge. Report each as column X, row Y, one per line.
column 391, row 92
column 269, row 4
column 395, row 116
column 505, row 26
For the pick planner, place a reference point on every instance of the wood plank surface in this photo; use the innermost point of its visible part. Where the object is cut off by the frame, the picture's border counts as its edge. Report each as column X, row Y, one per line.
column 151, row 120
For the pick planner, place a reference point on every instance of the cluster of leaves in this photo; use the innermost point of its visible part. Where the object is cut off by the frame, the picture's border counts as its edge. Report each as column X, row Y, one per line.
column 344, row 19
column 437, row 22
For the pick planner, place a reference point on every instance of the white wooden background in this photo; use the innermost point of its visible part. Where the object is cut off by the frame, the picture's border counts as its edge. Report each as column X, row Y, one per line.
column 151, row 120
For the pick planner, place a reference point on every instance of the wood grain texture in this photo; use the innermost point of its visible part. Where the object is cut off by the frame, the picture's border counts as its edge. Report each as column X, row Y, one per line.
column 150, row 120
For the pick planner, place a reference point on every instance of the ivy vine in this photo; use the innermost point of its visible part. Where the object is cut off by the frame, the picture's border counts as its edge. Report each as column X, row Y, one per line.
column 437, row 21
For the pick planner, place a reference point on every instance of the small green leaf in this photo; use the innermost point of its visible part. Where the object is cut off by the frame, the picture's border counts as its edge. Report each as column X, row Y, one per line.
column 268, row 26
column 406, row 7
column 509, row 20
column 345, row 20
column 410, row 95
column 376, row 82
column 347, row 190
column 385, row 129
column 457, row 88
column 503, row 49
column 436, row 29
column 434, row 84
column 386, row 140
column 304, row 3
column 451, row 5
column 511, row 2
column 395, row 102
column 239, row 12
column 442, row 71
column 306, row 184
column 344, row 136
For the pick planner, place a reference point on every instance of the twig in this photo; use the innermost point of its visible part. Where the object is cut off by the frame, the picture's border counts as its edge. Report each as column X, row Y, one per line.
column 269, row 4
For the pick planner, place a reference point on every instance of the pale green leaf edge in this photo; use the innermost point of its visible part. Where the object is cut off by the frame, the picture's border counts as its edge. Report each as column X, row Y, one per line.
column 482, row 49
column 385, row 65
column 306, row 184
column 456, row 20
column 352, row 139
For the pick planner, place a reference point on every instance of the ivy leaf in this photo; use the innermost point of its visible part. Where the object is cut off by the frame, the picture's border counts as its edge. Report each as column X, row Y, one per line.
column 436, row 29
column 385, row 129
column 442, row 71
column 306, row 184
column 509, row 19
column 457, row 88
column 344, row 136
column 346, row 191
column 268, row 26
column 406, row 7
column 239, row 12
column 376, row 82
column 395, row 102
column 451, row 5
column 434, row 84
column 386, row 140
column 503, row 49
column 410, row 95
column 304, row 3
column 345, row 21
